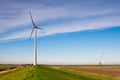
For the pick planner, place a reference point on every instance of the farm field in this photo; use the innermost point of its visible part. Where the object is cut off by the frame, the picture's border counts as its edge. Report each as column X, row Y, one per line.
column 108, row 70
column 6, row 67
column 99, row 72
column 52, row 73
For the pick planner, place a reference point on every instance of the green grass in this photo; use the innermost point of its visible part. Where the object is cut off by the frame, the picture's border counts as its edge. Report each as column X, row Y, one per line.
column 5, row 67
column 93, row 75
column 42, row 73
column 47, row 73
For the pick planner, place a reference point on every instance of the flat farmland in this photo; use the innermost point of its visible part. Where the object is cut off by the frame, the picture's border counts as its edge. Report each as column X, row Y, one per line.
column 42, row 73
column 61, row 73
column 108, row 70
column 96, row 72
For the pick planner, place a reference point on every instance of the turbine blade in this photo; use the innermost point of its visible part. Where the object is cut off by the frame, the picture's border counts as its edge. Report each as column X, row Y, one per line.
column 31, row 33
column 39, row 28
column 32, row 20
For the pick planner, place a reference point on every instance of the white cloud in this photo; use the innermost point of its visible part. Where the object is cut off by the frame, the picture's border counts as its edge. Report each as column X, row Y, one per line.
column 89, row 16
column 76, row 26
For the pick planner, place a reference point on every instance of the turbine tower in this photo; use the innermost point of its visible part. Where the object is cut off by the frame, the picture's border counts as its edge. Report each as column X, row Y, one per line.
column 35, row 39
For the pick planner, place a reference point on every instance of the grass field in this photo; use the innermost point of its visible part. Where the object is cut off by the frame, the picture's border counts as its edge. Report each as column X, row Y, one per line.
column 113, row 70
column 93, row 71
column 47, row 73
column 6, row 67
column 42, row 73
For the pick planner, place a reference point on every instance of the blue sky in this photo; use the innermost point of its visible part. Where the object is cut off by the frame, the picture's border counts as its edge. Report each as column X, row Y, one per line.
column 75, row 31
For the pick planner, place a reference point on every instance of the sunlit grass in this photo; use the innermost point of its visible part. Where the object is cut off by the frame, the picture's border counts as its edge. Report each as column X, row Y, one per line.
column 42, row 73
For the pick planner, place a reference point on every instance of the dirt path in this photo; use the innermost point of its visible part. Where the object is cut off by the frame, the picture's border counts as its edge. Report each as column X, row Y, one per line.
column 10, row 70
column 2, row 72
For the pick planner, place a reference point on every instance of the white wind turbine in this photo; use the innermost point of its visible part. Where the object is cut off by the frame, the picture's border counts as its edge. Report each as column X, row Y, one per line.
column 35, row 39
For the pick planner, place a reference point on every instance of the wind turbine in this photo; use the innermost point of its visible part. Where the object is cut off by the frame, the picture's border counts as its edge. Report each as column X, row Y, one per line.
column 102, row 59
column 34, row 29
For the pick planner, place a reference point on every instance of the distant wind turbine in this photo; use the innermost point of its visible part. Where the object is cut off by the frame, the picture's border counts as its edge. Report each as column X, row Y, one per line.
column 102, row 59
column 35, row 39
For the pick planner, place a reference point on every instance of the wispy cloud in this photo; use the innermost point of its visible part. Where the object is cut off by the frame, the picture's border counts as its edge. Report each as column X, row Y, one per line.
column 79, row 16
column 76, row 26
